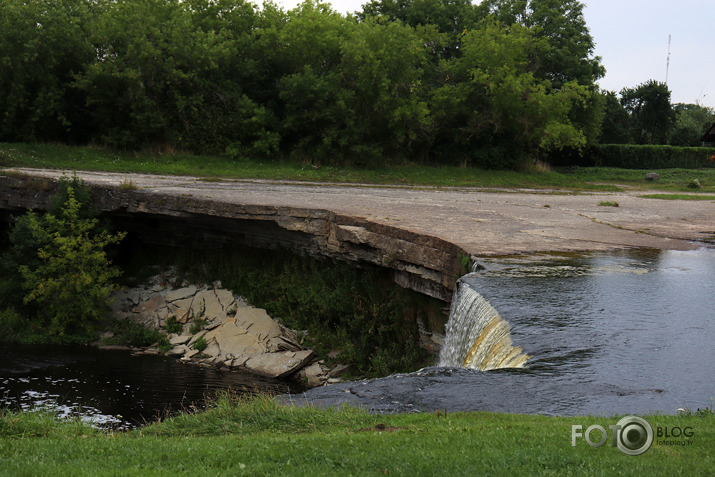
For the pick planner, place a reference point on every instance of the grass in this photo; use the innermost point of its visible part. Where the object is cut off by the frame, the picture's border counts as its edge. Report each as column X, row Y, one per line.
column 608, row 203
column 669, row 179
column 256, row 436
column 127, row 184
column 213, row 168
column 679, row 196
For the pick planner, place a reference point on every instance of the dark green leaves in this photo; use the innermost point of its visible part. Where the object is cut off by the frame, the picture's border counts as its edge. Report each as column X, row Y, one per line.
column 404, row 79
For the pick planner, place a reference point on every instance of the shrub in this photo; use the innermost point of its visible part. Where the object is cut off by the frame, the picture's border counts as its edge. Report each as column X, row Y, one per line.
column 12, row 325
column 173, row 326
column 200, row 344
column 197, row 326
column 64, row 266
column 131, row 333
column 127, row 184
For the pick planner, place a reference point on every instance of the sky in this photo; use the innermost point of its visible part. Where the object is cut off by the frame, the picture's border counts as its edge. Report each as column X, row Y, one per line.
column 632, row 40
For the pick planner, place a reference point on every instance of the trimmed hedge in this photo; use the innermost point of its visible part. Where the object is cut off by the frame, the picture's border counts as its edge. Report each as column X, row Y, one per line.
column 628, row 156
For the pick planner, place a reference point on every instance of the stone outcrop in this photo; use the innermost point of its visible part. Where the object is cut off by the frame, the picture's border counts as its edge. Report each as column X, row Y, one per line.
column 420, row 262
column 217, row 328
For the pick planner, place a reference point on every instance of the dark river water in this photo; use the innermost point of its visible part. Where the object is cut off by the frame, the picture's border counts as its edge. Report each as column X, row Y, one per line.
column 111, row 388
column 617, row 333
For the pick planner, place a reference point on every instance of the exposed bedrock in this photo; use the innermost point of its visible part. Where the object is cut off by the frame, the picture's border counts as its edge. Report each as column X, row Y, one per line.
column 424, row 263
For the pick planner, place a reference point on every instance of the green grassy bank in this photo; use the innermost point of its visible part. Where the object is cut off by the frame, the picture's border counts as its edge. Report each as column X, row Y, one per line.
column 212, row 167
column 256, row 436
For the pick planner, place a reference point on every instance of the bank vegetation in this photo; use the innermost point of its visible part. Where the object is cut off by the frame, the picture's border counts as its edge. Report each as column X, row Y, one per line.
column 258, row 436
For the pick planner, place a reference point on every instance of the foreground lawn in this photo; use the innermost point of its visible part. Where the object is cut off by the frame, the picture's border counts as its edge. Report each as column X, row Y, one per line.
column 260, row 437
column 96, row 159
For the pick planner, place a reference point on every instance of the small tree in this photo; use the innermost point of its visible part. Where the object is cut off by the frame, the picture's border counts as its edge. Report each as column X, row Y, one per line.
column 72, row 278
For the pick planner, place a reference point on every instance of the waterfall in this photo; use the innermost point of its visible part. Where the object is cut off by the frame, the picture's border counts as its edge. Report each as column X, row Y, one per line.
column 477, row 337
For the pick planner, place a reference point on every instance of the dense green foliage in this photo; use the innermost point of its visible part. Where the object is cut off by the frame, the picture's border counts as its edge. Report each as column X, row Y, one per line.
column 490, row 84
column 58, row 264
column 651, row 113
column 644, row 115
column 257, row 436
column 435, row 80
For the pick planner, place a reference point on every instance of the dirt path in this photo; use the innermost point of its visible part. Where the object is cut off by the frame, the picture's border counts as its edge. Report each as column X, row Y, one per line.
column 483, row 222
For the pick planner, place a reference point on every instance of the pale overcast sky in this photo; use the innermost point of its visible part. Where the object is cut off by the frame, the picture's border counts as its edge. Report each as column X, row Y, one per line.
column 632, row 40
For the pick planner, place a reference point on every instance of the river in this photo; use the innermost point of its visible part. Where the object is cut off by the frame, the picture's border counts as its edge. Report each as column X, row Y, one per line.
column 607, row 333
column 627, row 332
column 112, row 388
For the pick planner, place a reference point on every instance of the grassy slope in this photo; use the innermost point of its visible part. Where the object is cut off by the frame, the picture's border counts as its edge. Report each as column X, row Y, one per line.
column 86, row 158
column 259, row 437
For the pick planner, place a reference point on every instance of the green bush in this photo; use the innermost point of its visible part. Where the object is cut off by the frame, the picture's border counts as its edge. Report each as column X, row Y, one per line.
column 173, row 326
column 132, row 333
column 197, row 326
column 630, row 156
column 200, row 344
column 63, row 267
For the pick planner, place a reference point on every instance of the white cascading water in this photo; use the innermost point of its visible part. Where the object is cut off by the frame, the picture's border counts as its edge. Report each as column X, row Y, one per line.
column 476, row 336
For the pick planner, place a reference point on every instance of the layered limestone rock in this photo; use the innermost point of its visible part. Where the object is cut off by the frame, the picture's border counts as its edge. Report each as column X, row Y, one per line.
column 421, row 262
column 217, row 328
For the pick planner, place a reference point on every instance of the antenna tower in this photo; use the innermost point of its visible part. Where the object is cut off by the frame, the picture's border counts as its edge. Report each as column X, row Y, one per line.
column 667, row 64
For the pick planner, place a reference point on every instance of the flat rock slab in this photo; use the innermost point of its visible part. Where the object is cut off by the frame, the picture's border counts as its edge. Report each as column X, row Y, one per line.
column 152, row 305
column 481, row 221
column 181, row 294
column 178, row 350
column 257, row 322
column 234, row 340
column 179, row 339
column 417, row 231
column 278, row 365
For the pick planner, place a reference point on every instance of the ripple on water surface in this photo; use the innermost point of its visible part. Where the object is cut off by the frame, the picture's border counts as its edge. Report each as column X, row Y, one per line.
column 607, row 333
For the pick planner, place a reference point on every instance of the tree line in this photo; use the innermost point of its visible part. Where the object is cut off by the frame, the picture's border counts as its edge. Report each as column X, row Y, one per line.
column 441, row 81
column 644, row 115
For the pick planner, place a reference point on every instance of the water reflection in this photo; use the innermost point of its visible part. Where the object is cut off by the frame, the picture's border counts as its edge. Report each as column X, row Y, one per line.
column 113, row 388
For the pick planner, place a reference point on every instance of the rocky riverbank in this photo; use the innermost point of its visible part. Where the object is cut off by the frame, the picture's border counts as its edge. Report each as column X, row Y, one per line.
column 210, row 326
